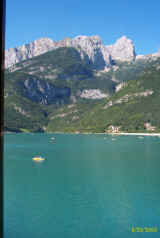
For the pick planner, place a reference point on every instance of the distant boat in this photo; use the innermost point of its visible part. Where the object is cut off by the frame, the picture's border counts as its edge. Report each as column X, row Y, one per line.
column 140, row 137
column 52, row 139
column 38, row 159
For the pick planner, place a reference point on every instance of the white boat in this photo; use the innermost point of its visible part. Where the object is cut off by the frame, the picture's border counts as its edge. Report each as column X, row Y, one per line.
column 52, row 139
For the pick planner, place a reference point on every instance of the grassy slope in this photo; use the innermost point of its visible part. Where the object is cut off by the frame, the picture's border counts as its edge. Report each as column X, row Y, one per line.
column 130, row 115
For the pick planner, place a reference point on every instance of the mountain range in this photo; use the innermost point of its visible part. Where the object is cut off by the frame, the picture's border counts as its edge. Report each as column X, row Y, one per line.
column 91, row 49
column 81, row 85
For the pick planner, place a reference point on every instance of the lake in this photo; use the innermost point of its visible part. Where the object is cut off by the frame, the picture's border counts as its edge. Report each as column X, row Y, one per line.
column 89, row 186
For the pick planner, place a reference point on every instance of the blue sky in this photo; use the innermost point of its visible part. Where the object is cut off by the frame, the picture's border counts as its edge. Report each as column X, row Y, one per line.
column 32, row 19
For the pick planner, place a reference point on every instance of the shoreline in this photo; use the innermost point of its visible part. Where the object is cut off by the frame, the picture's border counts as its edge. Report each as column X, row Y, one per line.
column 135, row 134
column 90, row 133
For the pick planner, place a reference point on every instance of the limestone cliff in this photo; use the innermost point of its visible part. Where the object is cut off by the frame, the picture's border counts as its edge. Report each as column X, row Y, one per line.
column 35, row 48
column 91, row 49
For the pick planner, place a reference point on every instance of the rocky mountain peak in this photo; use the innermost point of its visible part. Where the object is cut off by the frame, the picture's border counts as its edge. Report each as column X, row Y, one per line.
column 35, row 48
column 122, row 50
column 123, row 38
column 92, row 39
column 44, row 41
column 91, row 49
column 64, row 43
column 88, row 40
column 123, row 43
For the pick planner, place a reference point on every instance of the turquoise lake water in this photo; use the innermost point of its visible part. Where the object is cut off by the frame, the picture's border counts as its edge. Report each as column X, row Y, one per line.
column 89, row 186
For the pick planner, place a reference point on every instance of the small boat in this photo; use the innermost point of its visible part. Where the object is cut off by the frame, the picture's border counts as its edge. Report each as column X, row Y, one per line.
column 52, row 139
column 38, row 159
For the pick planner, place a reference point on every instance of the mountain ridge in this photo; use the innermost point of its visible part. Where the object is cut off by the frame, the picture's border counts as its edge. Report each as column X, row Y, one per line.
column 91, row 48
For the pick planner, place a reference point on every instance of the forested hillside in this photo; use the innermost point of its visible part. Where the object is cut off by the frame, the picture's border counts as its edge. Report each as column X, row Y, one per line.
column 55, row 92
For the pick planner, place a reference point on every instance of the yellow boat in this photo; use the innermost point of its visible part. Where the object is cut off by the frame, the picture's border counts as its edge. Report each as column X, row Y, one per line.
column 38, row 159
